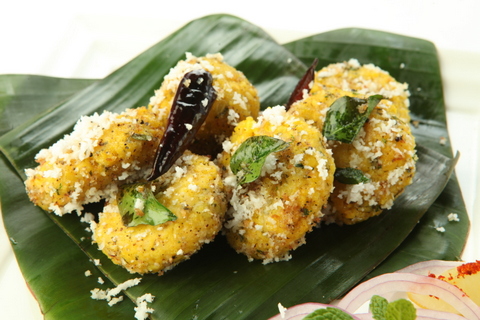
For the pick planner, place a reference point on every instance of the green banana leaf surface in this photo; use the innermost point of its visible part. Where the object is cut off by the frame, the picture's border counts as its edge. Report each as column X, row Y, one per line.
column 23, row 97
column 217, row 283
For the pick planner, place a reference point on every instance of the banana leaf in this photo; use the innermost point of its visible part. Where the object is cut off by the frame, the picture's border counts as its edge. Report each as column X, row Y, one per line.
column 217, row 283
column 22, row 97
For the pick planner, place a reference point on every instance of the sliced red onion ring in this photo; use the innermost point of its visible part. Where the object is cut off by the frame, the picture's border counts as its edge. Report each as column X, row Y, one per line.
column 425, row 314
column 432, row 266
column 300, row 311
column 422, row 314
column 414, row 279
column 364, row 316
column 408, row 282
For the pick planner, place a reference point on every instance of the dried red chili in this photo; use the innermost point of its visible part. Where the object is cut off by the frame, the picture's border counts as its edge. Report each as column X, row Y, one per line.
column 303, row 84
column 192, row 102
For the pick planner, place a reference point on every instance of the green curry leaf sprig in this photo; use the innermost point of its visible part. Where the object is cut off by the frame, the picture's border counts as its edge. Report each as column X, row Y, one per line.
column 137, row 205
column 346, row 117
column 344, row 120
column 248, row 160
column 350, row 176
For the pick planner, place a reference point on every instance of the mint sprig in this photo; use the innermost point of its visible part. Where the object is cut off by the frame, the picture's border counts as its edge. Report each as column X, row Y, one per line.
column 380, row 308
column 328, row 313
column 400, row 309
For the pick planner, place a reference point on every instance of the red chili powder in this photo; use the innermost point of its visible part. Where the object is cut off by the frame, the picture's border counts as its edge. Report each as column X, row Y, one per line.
column 469, row 268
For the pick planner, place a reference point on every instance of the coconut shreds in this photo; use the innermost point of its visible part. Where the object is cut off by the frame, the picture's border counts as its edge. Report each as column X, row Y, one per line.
column 282, row 310
column 115, row 300
column 443, row 141
column 233, row 117
column 87, row 217
column 110, row 295
column 453, row 217
column 142, row 310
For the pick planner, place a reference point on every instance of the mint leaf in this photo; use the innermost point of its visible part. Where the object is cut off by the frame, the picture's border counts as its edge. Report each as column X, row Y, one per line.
column 328, row 313
column 378, row 307
column 401, row 310
column 346, row 117
column 350, row 176
column 137, row 205
column 397, row 310
column 249, row 158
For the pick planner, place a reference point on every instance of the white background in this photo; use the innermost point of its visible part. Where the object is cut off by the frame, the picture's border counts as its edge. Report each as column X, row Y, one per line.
column 92, row 38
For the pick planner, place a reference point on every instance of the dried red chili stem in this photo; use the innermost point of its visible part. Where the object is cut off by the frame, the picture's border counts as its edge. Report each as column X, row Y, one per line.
column 192, row 102
column 303, row 84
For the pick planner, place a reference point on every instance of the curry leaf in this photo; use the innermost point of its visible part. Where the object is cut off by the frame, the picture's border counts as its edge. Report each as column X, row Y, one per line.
column 350, row 176
column 248, row 160
column 346, row 117
column 137, row 205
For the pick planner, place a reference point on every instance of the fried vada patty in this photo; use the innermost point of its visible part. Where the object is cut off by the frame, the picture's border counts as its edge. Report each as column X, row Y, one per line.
column 103, row 151
column 384, row 150
column 236, row 99
column 192, row 190
column 270, row 216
